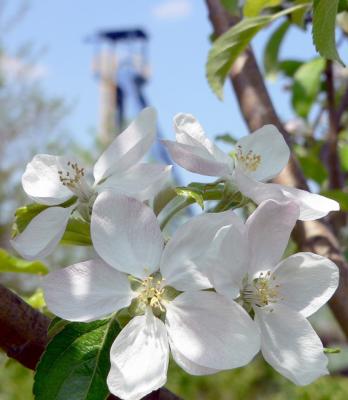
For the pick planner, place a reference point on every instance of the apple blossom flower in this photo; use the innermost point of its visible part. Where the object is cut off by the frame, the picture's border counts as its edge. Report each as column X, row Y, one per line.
column 258, row 158
column 282, row 294
column 53, row 180
column 164, row 290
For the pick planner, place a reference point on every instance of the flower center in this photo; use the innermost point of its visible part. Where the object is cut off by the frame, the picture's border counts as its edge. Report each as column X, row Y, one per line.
column 249, row 161
column 261, row 291
column 151, row 293
column 74, row 178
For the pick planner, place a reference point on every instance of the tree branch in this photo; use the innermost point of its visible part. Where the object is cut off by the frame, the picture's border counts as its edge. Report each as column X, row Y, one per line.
column 23, row 330
column 23, row 336
column 257, row 108
column 333, row 162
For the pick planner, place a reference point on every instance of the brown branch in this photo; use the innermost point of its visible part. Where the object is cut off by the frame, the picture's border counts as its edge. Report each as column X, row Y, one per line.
column 23, row 336
column 257, row 108
column 336, row 180
column 23, row 330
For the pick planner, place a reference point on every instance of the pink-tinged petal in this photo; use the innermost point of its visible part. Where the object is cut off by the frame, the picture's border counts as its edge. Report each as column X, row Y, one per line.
column 43, row 233
column 139, row 358
column 41, row 180
column 129, row 147
column 183, row 263
column 126, row 234
column 196, row 159
column 290, row 345
column 143, row 181
column 306, row 282
column 312, row 206
column 210, row 331
column 87, row 291
column 229, row 264
column 269, row 145
column 268, row 229
column 190, row 132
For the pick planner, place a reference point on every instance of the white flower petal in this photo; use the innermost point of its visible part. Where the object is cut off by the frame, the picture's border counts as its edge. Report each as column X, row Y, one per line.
column 290, row 345
column 306, row 282
column 43, row 233
column 268, row 143
column 269, row 229
column 139, row 358
column 229, row 265
column 87, row 291
column 210, row 331
column 187, row 365
column 182, row 264
column 190, row 132
column 142, row 181
column 197, row 159
column 126, row 234
column 129, row 147
column 41, row 179
column 312, row 206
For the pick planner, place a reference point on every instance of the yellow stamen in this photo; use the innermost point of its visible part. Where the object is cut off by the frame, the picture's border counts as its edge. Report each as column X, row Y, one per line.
column 250, row 161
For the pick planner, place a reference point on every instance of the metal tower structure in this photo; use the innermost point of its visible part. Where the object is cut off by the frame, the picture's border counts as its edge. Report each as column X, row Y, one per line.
column 122, row 68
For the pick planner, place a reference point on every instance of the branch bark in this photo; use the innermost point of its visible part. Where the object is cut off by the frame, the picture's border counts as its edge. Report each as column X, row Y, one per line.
column 333, row 162
column 23, row 330
column 257, row 108
column 23, row 336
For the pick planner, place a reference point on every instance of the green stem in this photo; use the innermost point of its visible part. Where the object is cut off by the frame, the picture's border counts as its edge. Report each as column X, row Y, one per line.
column 185, row 203
column 170, row 210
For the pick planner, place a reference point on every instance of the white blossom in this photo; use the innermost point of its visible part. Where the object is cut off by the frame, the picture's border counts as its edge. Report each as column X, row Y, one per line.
column 164, row 286
column 258, row 158
column 281, row 293
column 53, row 180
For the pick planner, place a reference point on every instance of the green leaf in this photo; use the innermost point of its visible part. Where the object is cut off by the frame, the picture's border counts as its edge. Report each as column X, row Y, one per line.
column 338, row 195
column 77, row 233
column 24, row 215
column 289, row 67
column 191, row 192
column 306, row 86
column 313, row 169
column 227, row 138
column 57, row 324
column 232, row 6
column 342, row 6
column 253, row 8
column 76, row 362
column 323, row 31
column 308, row 158
column 297, row 17
column 232, row 43
column 9, row 263
column 271, row 53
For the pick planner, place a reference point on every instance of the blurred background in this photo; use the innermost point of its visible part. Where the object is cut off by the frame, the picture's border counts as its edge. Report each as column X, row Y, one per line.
column 73, row 74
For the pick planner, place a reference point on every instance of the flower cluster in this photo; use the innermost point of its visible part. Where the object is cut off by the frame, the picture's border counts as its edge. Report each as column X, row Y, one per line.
column 214, row 294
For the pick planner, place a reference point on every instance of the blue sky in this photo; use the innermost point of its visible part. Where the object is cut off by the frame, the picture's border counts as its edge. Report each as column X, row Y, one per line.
column 179, row 42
